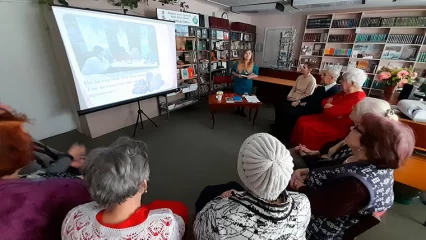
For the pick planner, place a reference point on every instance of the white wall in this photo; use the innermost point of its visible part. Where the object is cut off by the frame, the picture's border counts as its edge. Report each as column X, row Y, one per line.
column 29, row 80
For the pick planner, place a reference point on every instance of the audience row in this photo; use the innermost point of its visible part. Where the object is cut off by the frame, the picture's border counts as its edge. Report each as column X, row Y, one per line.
column 98, row 196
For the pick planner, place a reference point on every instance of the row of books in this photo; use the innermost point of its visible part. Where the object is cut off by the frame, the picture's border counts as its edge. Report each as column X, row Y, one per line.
column 237, row 36
column 345, row 23
column 394, row 21
column 184, row 31
column 406, row 38
column 371, row 37
column 185, row 73
column 202, row 33
column 338, row 52
column 220, row 35
column 422, row 57
column 348, row 38
column 318, row 23
column 315, row 37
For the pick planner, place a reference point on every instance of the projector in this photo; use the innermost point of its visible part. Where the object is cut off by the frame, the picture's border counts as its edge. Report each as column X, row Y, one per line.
column 413, row 109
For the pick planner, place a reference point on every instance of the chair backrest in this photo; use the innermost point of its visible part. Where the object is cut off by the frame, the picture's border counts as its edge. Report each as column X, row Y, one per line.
column 365, row 223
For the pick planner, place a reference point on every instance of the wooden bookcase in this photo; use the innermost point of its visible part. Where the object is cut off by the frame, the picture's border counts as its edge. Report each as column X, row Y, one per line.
column 366, row 40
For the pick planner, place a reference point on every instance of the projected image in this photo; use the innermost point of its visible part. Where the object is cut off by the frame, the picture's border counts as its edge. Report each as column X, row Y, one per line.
column 106, row 46
column 115, row 58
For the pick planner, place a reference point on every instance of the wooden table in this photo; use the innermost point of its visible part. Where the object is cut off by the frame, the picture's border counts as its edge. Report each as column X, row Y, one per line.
column 279, row 81
column 215, row 105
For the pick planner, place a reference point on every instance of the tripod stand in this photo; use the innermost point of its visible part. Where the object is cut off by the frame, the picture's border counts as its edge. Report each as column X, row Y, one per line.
column 140, row 112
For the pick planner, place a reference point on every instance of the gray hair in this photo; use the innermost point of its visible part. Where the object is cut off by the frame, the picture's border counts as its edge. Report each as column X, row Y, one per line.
column 373, row 105
column 334, row 72
column 115, row 173
column 355, row 76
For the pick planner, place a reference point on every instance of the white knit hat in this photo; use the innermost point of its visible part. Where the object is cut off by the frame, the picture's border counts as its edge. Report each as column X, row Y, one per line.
column 264, row 166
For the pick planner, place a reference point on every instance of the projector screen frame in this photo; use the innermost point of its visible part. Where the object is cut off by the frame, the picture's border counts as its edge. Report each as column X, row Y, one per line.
column 124, row 102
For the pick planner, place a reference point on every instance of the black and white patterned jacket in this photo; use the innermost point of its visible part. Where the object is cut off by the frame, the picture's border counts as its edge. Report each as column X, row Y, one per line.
column 243, row 216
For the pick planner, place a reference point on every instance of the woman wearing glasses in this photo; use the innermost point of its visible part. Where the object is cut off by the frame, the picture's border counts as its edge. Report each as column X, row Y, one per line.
column 363, row 184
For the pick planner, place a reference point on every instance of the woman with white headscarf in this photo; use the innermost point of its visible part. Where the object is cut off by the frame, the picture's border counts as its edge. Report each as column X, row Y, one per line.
column 263, row 209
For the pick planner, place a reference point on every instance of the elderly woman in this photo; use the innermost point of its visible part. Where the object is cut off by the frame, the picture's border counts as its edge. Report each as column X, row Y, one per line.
column 305, row 84
column 336, row 152
column 31, row 208
column 117, row 177
column 334, row 123
column 286, row 115
column 363, row 184
column 265, row 210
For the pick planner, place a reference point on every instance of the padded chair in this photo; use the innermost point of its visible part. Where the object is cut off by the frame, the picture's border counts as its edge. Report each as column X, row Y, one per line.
column 365, row 223
column 222, row 83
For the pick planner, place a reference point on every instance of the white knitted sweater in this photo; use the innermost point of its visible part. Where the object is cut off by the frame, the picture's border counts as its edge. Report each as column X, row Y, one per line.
column 81, row 223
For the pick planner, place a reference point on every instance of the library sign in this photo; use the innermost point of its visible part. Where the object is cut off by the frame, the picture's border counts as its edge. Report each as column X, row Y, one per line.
column 181, row 18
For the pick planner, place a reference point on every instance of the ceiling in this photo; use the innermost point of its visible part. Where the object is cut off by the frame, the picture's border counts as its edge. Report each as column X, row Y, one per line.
column 368, row 4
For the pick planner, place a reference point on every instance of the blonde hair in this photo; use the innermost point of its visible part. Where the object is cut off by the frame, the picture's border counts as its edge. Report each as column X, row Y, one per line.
column 374, row 105
column 242, row 63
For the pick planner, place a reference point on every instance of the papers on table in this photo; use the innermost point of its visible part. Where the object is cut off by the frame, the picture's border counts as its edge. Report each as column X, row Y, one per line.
column 252, row 99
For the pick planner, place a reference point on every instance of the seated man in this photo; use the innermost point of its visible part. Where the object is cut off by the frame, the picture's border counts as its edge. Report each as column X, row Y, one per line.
column 286, row 115
column 333, row 123
column 265, row 210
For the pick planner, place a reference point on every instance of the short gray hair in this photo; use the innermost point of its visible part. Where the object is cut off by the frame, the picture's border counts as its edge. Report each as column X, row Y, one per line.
column 355, row 76
column 373, row 105
column 334, row 72
column 115, row 173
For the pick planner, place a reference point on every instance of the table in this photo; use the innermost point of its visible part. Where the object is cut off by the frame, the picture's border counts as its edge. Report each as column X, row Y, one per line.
column 215, row 105
column 279, row 81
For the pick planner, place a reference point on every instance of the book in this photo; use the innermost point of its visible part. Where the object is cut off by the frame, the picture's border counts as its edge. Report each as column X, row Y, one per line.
column 238, row 99
column 229, row 100
column 219, row 35
column 184, row 73
column 226, row 36
column 190, row 72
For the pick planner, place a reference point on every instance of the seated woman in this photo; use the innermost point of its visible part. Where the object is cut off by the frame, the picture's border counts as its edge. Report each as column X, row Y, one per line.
column 286, row 115
column 265, row 210
column 46, row 159
column 31, row 208
column 242, row 73
column 334, row 123
column 335, row 152
column 363, row 184
column 117, row 177
column 305, row 84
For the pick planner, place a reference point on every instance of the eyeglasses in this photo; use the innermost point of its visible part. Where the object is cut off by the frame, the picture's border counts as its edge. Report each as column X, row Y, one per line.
column 356, row 128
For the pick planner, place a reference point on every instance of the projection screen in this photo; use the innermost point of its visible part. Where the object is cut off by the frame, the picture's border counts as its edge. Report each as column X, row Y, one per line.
column 115, row 58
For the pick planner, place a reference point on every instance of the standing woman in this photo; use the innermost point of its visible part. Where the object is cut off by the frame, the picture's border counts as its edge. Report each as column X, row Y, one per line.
column 242, row 84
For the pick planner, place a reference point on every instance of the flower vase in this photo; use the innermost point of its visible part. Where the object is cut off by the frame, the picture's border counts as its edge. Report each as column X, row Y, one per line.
column 388, row 92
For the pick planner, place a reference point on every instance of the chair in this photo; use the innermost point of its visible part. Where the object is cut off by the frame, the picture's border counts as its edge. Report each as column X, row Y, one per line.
column 365, row 223
column 221, row 82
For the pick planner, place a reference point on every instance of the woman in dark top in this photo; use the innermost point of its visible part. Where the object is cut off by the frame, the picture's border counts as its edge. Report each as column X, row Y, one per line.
column 337, row 151
column 31, row 208
column 363, row 184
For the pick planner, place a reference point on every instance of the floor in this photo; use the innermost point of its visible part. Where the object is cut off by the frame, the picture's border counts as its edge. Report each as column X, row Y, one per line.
column 185, row 155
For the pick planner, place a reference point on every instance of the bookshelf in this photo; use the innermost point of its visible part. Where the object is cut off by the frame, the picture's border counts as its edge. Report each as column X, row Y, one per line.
column 187, row 72
column 366, row 40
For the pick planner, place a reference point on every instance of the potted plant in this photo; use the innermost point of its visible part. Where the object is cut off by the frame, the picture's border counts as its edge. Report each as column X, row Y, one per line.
column 395, row 77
